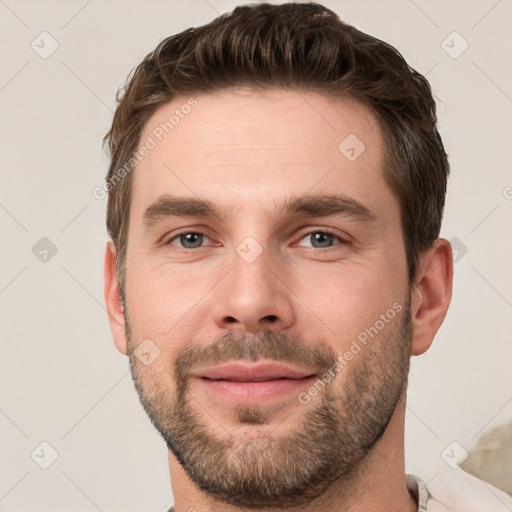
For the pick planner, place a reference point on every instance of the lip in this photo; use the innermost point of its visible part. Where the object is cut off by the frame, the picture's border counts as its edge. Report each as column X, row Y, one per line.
column 253, row 383
column 240, row 372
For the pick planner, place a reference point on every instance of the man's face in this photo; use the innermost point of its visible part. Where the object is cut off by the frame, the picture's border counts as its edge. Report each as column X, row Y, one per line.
column 301, row 270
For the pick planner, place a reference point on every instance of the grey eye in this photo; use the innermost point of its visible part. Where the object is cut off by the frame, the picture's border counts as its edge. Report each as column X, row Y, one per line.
column 319, row 240
column 190, row 240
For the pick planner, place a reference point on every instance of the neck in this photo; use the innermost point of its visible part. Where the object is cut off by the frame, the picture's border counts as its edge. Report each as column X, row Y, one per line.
column 379, row 485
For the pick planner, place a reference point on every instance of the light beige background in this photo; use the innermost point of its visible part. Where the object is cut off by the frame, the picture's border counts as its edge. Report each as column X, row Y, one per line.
column 61, row 379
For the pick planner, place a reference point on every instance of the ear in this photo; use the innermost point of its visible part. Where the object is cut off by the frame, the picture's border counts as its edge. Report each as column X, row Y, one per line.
column 431, row 294
column 113, row 299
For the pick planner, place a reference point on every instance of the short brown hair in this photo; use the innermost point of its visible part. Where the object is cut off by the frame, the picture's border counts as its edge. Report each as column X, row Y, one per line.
column 292, row 46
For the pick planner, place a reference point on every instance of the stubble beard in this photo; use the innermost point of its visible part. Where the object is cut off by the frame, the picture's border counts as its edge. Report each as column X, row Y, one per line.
column 340, row 426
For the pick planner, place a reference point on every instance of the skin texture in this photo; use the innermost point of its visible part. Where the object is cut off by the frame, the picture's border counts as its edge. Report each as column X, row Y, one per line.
column 247, row 153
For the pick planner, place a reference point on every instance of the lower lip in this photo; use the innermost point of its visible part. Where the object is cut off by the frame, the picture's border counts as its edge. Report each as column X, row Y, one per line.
column 251, row 392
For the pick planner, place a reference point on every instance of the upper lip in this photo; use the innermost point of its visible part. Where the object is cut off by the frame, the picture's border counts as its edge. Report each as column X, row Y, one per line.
column 260, row 372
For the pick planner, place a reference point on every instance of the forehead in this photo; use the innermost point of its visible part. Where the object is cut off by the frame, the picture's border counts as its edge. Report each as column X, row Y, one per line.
column 241, row 146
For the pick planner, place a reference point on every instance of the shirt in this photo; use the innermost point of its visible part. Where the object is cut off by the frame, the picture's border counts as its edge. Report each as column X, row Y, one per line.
column 455, row 491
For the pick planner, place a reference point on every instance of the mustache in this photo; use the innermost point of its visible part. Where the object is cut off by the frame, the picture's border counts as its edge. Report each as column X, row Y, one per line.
column 273, row 345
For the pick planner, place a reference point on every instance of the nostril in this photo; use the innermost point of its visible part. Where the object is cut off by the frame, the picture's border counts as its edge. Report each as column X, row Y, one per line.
column 271, row 318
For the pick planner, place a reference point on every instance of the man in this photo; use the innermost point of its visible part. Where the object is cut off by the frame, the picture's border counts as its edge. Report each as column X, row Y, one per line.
column 276, row 191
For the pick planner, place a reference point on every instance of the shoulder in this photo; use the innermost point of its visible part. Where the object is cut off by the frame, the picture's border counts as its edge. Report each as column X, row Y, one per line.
column 456, row 490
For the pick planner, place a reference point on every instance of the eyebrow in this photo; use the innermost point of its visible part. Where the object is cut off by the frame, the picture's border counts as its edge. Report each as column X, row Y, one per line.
column 312, row 206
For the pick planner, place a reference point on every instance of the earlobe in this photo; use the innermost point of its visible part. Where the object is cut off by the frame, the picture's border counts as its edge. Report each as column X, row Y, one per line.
column 431, row 294
column 113, row 299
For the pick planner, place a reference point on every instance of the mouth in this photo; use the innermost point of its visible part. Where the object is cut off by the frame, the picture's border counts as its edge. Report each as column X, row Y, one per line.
column 253, row 383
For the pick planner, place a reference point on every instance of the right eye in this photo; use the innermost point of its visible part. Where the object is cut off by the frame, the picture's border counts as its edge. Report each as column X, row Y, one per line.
column 188, row 240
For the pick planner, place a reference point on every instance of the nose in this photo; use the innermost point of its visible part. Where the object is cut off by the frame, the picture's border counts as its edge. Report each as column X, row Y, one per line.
column 253, row 297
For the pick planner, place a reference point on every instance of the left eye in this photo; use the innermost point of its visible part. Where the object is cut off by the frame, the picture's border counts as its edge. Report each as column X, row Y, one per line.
column 189, row 240
column 320, row 239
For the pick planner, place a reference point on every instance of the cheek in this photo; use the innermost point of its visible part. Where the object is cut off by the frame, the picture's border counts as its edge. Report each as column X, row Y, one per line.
column 163, row 303
column 342, row 303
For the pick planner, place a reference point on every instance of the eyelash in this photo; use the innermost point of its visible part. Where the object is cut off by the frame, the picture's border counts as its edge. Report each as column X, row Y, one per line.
column 341, row 241
column 304, row 235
